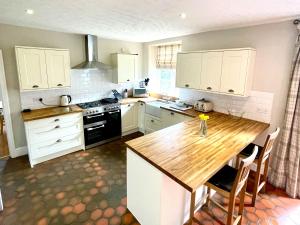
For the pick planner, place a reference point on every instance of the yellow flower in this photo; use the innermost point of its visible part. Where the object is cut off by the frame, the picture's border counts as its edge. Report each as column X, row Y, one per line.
column 203, row 117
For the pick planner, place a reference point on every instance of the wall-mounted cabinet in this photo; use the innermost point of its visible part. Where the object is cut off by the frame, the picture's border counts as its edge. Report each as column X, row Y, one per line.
column 228, row 71
column 43, row 68
column 188, row 70
column 124, row 67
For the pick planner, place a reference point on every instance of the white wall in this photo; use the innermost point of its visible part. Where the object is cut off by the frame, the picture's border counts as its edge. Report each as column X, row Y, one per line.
column 274, row 44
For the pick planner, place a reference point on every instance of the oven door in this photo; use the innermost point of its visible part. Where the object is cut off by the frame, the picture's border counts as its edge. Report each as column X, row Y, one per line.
column 113, row 119
column 93, row 118
column 94, row 133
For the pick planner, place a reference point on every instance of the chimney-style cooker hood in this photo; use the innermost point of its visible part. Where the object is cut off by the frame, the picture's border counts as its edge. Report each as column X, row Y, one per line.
column 91, row 52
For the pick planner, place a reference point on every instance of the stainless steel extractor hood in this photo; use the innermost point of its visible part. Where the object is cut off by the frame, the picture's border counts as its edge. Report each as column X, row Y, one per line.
column 91, row 52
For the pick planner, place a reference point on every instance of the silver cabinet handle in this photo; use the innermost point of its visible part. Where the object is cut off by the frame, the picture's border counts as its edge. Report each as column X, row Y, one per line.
column 58, row 141
column 187, row 85
column 35, row 86
column 89, row 117
column 56, row 127
column 59, row 85
column 152, row 121
column 94, row 128
column 230, row 90
column 56, row 120
column 142, row 104
column 129, row 105
column 208, row 88
column 114, row 112
column 172, row 113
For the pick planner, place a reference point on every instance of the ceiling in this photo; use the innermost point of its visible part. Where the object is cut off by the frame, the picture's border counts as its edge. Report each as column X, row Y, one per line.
column 144, row 20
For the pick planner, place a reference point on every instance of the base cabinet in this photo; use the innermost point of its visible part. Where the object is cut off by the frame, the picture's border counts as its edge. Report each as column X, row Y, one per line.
column 129, row 114
column 170, row 118
column 53, row 137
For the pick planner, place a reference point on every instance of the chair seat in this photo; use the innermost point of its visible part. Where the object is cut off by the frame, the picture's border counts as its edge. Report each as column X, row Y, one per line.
column 249, row 149
column 224, row 178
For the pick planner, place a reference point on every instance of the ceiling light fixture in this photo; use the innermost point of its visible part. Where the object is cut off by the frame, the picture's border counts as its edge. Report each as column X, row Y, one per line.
column 29, row 11
column 182, row 15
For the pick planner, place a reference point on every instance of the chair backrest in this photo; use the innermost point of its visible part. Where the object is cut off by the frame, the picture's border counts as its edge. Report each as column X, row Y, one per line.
column 243, row 172
column 268, row 146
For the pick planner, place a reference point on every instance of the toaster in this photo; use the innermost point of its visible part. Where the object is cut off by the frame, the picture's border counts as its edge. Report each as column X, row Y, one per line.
column 203, row 105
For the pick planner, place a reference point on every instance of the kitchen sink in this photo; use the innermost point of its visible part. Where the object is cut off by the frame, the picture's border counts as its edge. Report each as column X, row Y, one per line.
column 153, row 108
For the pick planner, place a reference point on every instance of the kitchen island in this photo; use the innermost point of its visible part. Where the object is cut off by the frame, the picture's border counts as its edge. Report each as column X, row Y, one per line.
column 166, row 169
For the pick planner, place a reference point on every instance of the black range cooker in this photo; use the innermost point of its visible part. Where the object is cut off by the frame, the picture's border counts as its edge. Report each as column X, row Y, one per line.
column 101, row 121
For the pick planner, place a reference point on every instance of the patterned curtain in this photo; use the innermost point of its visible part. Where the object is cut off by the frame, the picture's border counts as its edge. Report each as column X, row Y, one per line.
column 285, row 163
column 166, row 56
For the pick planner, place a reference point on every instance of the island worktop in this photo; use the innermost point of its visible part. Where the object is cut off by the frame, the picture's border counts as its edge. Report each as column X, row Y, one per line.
column 180, row 153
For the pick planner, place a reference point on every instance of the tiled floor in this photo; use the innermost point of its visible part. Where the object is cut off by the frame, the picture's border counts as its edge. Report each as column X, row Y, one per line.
column 90, row 188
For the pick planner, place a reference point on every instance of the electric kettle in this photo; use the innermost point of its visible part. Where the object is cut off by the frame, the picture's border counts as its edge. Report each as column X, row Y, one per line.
column 65, row 100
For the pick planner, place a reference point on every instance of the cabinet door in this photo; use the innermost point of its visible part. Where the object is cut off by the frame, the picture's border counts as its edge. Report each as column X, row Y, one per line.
column 129, row 117
column 126, row 68
column 188, row 70
column 32, row 68
column 234, row 72
column 141, row 116
column 58, row 68
column 211, row 71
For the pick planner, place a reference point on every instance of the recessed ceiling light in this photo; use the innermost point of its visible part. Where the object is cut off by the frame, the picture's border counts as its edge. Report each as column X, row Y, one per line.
column 29, row 11
column 182, row 15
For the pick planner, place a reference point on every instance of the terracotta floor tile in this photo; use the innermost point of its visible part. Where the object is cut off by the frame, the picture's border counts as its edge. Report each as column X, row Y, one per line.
column 89, row 188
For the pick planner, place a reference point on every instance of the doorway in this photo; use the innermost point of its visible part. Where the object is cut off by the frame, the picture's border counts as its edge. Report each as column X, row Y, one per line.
column 7, row 145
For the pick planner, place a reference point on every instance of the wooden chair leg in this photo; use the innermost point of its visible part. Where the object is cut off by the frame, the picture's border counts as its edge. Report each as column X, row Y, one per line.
column 265, row 176
column 237, row 162
column 192, row 208
column 231, row 205
column 207, row 197
column 242, row 200
column 256, row 185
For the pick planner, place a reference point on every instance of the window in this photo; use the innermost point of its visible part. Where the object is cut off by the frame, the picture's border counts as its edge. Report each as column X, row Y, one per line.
column 163, row 76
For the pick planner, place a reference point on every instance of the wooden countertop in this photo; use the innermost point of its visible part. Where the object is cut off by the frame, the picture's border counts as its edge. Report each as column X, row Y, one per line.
column 191, row 160
column 49, row 112
column 189, row 112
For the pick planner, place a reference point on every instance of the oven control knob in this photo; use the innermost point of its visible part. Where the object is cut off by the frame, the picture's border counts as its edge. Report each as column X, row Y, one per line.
column 96, row 110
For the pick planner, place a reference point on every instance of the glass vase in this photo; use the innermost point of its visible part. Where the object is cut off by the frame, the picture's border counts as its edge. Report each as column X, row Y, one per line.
column 203, row 128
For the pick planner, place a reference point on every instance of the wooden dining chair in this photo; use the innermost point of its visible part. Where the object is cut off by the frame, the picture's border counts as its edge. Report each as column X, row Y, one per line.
column 261, row 161
column 230, row 183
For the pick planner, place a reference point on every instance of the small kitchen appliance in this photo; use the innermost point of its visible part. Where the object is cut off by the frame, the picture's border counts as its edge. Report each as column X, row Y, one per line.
column 140, row 92
column 65, row 100
column 203, row 105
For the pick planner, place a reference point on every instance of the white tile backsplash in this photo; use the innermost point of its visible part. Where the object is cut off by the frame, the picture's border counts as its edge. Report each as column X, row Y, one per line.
column 86, row 85
column 258, row 106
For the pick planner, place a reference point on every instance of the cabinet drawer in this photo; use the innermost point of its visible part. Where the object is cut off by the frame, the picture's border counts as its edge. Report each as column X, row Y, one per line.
column 54, row 131
column 53, row 121
column 152, row 123
column 55, row 145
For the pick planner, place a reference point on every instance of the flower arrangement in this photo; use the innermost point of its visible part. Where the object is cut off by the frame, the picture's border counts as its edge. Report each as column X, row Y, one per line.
column 203, row 124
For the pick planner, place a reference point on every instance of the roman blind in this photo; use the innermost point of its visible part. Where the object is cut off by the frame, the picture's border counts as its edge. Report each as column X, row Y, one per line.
column 166, row 55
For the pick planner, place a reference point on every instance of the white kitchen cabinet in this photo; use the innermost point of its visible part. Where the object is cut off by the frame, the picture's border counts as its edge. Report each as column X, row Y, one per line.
column 31, row 68
column 211, row 71
column 42, row 68
column 170, row 118
column 124, row 67
column 141, row 116
column 53, row 137
column 237, row 72
column 188, row 70
column 152, row 124
column 224, row 71
column 58, row 68
column 129, row 114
